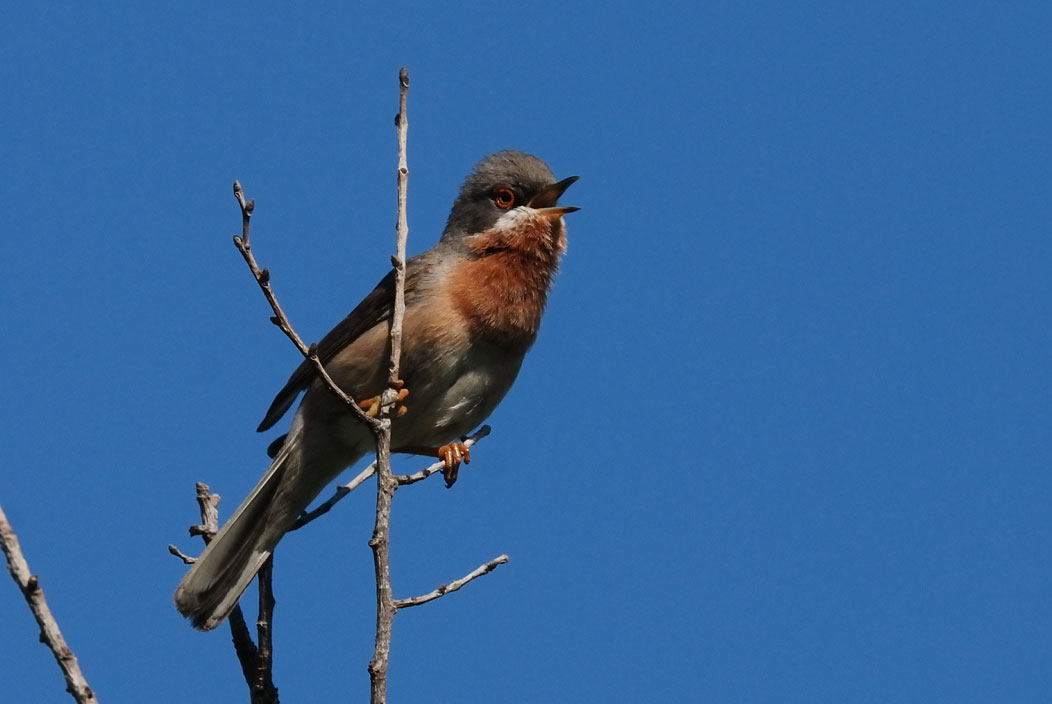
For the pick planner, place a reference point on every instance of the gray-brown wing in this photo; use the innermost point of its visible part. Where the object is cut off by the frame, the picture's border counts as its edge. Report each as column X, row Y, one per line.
column 374, row 308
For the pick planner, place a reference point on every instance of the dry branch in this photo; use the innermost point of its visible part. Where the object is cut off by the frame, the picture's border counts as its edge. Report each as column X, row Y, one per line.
column 50, row 635
column 385, row 481
column 256, row 663
column 262, row 684
column 403, row 479
column 262, row 277
column 452, row 586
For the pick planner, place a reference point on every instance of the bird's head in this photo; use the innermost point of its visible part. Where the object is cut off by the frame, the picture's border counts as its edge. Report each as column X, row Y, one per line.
column 509, row 192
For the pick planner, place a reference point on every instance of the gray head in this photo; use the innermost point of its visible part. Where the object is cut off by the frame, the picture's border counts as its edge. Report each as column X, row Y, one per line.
column 498, row 183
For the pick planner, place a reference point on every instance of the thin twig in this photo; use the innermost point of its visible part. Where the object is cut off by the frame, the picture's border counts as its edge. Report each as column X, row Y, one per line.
column 50, row 635
column 404, row 479
column 398, row 261
column 262, row 277
column 208, row 503
column 244, row 648
column 385, row 481
column 343, row 489
column 187, row 560
column 452, row 586
column 256, row 665
column 263, row 689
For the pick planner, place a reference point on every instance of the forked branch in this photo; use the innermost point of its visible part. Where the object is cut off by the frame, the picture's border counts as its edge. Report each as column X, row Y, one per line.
column 256, row 663
column 279, row 318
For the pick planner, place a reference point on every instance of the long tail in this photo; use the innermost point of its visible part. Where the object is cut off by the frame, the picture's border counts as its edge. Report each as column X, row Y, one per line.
column 212, row 587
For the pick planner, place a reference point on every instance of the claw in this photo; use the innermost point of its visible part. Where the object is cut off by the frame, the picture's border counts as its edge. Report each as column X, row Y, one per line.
column 371, row 406
column 453, row 454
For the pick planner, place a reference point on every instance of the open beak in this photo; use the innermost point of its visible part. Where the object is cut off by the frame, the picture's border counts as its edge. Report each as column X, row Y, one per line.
column 556, row 212
column 545, row 200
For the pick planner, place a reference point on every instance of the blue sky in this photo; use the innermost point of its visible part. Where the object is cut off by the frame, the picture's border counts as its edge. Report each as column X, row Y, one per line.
column 783, row 437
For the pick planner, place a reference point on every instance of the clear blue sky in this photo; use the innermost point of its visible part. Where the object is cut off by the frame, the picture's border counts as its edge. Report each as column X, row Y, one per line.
column 784, row 436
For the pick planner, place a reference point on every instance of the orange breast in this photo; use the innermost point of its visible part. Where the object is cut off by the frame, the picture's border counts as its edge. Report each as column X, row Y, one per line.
column 502, row 293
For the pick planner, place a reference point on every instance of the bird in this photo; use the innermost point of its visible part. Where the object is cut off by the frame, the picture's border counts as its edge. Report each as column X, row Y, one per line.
column 473, row 307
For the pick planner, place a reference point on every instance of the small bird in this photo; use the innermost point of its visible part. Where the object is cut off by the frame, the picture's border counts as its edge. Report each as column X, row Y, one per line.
column 473, row 307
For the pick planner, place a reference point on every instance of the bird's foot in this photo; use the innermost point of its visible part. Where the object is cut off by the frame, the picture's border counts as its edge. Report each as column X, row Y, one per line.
column 371, row 406
column 452, row 454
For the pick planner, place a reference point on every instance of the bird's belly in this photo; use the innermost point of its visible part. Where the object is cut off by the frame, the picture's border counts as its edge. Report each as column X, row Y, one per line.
column 456, row 395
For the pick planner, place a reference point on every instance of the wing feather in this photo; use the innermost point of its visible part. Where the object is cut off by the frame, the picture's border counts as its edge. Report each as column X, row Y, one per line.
column 374, row 308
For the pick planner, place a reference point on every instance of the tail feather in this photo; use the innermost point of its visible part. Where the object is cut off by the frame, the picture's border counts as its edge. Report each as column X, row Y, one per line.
column 215, row 582
column 303, row 465
column 224, row 570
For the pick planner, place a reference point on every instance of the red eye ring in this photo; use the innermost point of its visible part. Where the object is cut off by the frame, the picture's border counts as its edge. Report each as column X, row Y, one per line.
column 504, row 198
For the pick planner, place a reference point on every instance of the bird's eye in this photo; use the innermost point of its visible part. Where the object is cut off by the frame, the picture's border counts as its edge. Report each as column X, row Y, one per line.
column 504, row 198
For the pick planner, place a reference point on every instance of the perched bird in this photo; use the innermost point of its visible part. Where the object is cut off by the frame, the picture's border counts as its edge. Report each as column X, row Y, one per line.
column 473, row 306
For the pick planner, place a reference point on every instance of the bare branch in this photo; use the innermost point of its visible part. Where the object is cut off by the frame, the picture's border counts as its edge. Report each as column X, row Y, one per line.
column 263, row 689
column 244, row 648
column 385, row 481
column 402, row 123
column 187, row 560
column 343, row 489
column 50, row 635
column 452, row 586
column 209, row 505
column 262, row 277
column 256, row 666
column 246, row 213
column 404, row 479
